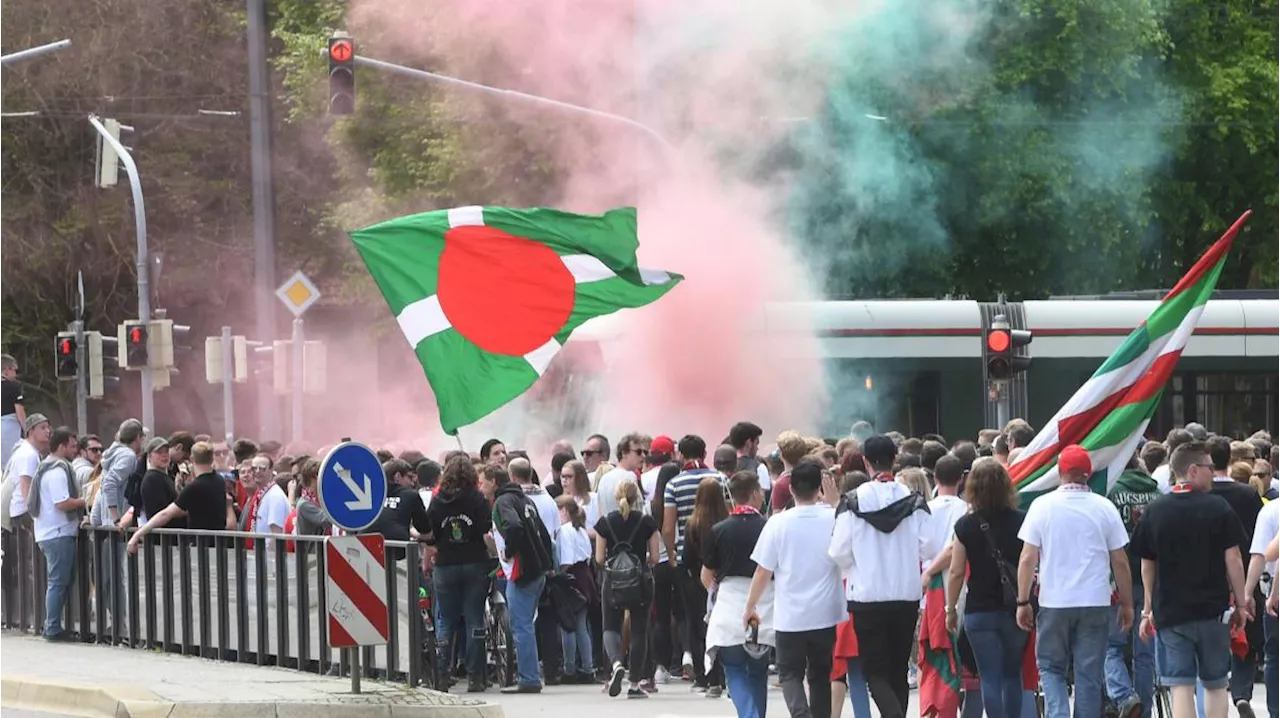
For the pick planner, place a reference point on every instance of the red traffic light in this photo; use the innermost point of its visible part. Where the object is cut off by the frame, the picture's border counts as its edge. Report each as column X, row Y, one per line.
column 341, row 51
column 998, row 341
column 135, row 335
column 66, row 348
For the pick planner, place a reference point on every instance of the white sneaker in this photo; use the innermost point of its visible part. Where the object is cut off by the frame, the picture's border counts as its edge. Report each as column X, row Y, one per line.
column 687, row 663
column 661, row 675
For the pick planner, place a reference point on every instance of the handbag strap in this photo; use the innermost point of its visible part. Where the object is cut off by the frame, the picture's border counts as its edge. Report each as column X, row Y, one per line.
column 996, row 554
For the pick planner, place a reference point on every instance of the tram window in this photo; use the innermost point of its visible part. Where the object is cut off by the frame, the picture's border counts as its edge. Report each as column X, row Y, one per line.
column 1235, row 404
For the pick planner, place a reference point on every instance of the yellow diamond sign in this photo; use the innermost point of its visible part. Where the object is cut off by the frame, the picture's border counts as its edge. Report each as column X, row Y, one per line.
column 298, row 293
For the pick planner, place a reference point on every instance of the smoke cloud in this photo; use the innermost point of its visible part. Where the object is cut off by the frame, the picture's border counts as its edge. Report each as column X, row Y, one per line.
column 789, row 145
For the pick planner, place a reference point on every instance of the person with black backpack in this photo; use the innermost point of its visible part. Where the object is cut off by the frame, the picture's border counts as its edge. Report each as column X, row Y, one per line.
column 627, row 547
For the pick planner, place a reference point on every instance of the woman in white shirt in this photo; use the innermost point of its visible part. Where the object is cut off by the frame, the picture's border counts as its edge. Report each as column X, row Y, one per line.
column 574, row 548
column 578, row 485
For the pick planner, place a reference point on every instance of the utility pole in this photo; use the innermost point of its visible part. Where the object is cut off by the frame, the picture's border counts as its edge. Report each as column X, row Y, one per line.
column 140, row 261
column 264, row 247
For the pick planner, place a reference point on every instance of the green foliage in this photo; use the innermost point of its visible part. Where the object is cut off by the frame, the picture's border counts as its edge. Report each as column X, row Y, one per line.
column 1082, row 147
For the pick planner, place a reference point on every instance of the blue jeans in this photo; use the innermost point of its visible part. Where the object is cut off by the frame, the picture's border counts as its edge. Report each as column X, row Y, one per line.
column 998, row 645
column 459, row 597
column 1196, row 650
column 577, row 647
column 1073, row 638
column 1120, row 686
column 972, row 707
column 522, row 603
column 859, row 697
column 1270, row 649
column 748, row 681
column 60, row 558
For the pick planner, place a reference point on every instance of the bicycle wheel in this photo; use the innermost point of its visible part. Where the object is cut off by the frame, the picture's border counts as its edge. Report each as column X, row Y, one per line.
column 500, row 646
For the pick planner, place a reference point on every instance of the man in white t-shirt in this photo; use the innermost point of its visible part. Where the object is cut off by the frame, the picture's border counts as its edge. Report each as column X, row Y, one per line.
column 56, row 507
column 947, row 507
column 22, row 467
column 632, row 449
column 1077, row 540
column 271, row 505
column 808, row 604
column 1261, row 572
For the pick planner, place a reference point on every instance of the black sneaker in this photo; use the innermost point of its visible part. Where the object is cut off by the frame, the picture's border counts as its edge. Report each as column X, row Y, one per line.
column 636, row 692
column 1131, row 708
column 1244, row 708
column 615, row 680
column 66, row 637
column 523, row 688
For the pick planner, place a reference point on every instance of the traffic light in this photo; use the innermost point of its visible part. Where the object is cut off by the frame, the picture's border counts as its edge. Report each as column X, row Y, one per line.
column 1003, row 358
column 342, row 76
column 100, row 348
column 68, row 364
column 133, row 348
column 213, row 359
column 108, row 169
column 168, row 339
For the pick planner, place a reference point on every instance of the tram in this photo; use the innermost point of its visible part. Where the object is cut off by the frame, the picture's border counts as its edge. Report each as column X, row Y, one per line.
column 918, row 365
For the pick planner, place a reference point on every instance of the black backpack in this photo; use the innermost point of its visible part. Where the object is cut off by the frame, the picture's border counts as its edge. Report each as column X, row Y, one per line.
column 625, row 577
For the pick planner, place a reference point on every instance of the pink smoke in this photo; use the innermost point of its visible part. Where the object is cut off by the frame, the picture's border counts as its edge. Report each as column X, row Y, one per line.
column 707, row 75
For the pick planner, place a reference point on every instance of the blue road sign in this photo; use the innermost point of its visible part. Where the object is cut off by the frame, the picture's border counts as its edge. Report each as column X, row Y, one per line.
column 352, row 486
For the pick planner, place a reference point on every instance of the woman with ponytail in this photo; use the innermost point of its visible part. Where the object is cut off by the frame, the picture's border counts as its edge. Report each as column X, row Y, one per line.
column 627, row 547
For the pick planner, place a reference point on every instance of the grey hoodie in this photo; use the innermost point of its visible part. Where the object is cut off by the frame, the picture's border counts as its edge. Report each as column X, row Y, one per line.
column 118, row 463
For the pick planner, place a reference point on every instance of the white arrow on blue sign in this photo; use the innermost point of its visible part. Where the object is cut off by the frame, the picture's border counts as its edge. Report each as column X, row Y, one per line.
column 352, row 486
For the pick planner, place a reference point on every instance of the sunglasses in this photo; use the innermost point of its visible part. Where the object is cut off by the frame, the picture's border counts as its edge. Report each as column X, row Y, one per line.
column 640, row 452
column 94, row 449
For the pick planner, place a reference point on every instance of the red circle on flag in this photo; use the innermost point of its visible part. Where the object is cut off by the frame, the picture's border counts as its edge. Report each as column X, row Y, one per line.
column 507, row 294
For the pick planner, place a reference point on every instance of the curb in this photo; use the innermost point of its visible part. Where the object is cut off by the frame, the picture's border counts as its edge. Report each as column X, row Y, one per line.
column 126, row 702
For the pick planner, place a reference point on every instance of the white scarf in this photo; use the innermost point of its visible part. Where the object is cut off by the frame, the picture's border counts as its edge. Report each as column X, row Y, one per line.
column 724, row 628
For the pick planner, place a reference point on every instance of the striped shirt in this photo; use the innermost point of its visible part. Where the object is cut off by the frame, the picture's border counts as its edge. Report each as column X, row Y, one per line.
column 680, row 494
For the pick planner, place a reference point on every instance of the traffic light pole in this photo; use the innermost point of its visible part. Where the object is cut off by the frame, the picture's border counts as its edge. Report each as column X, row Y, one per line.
column 29, row 53
column 1002, row 404
column 512, row 95
column 82, row 384
column 140, row 261
column 296, row 384
column 228, row 376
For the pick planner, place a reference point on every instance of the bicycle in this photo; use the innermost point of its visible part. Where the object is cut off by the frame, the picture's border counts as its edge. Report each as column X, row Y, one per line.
column 430, row 660
column 500, row 653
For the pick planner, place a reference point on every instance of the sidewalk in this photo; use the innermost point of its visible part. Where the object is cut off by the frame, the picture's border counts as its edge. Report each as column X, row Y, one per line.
column 102, row 681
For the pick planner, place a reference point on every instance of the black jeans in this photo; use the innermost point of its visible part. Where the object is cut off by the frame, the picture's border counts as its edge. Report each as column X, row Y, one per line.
column 694, row 597
column 550, row 642
column 807, row 655
column 890, row 628
column 664, row 599
column 638, row 649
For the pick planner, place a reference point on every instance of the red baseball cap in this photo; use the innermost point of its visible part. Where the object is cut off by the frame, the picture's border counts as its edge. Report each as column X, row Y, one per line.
column 1074, row 459
column 662, row 444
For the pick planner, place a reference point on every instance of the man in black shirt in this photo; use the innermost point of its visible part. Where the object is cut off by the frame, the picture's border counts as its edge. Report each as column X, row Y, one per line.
column 204, row 501
column 1189, row 543
column 1247, row 504
column 158, row 489
column 403, row 506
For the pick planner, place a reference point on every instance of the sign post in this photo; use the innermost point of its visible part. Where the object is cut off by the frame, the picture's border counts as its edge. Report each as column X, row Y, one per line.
column 298, row 293
column 352, row 489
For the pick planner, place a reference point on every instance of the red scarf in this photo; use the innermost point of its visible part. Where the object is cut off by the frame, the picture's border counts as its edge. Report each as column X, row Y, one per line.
column 883, row 476
column 310, row 495
column 252, row 508
column 744, row 510
column 1182, row 489
column 690, row 466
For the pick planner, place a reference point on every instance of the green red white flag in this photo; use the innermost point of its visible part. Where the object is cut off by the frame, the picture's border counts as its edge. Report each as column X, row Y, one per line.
column 487, row 296
column 1110, row 412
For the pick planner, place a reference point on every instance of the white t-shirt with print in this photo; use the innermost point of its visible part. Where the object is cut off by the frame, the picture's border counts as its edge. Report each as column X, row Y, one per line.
column 1076, row 531
column 53, row 522
column 807, row 590
column 273, row 509
column 23, row 462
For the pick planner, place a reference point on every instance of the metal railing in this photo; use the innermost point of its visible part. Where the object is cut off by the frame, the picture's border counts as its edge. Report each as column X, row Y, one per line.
column 226, row 595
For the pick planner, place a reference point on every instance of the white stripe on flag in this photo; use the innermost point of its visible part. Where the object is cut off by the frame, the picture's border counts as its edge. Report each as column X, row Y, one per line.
column 586, row 268
column 541, row 357
column 654, row 276
column 422, row 319
column 472, row 216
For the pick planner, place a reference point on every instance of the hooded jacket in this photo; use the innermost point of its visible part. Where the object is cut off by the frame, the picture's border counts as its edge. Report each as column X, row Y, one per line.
column 880, row 538
column 459, row 522
column 1131, row 494
column 527, row 544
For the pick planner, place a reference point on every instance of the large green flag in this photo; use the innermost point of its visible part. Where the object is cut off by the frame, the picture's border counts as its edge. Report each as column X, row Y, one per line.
column 486, row 296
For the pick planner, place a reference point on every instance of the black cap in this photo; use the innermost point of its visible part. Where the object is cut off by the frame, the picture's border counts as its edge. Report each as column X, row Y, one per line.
column 879, row 450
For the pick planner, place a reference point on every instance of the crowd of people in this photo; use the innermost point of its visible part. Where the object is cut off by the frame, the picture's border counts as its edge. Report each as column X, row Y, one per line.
column 857, row 568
